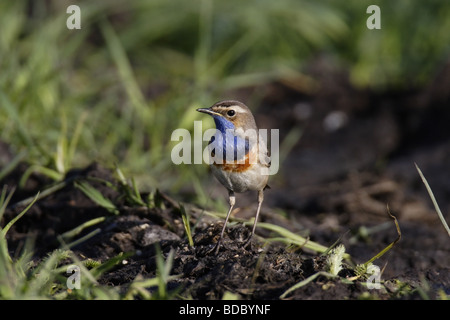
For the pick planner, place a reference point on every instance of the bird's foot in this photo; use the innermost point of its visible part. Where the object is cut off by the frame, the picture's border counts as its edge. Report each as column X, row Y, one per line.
column 248, row 243
column 216, row 248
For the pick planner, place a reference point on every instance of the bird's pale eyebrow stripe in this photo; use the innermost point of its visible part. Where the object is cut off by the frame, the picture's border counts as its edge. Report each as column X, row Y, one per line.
column 235, row 107
column 238, row 109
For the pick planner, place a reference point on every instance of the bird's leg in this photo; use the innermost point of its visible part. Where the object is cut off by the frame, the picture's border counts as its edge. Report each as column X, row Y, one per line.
column 260, row 201
column 231, row 201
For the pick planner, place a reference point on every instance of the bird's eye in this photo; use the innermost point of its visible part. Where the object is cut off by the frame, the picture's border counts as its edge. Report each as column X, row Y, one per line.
column 231, row 113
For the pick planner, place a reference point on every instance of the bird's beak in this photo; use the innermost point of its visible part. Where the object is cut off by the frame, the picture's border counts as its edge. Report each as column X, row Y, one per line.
column 208, row 111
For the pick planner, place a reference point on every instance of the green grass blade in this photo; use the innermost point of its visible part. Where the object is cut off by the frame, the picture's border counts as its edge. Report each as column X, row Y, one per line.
column 75, row 138
column 13, row 164
column 187, row 226
column 97, row 196
column 433, row 199
column 43, row 194
column 4, row 200
column 13, row 114
column 306, row 281
column 72, row 233
column 109, row 264
column 139, row 285
column 163, row 271
column 123, row 65
column 82, row 239
column 294, row 238
column 10, row 224
column 53, row 174
column 388, row 247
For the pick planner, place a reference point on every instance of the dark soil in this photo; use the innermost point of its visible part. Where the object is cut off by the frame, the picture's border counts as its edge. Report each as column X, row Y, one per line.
column 335, row 184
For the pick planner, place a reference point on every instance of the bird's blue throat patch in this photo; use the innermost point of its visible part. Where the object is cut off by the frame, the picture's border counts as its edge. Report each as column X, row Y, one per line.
column 236, row 147
column 223, row 124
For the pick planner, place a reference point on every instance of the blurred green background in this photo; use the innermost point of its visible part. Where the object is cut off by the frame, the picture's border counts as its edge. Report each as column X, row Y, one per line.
column 115, row 90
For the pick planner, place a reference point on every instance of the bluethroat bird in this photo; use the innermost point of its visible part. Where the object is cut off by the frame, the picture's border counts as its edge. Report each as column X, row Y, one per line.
column 239, row 156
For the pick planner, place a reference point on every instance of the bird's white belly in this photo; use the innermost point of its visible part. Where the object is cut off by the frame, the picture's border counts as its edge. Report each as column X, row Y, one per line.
column 251, row 179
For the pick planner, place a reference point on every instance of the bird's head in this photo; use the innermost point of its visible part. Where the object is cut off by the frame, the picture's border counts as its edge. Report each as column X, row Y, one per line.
column 230, row 114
